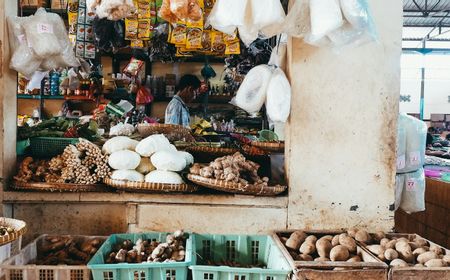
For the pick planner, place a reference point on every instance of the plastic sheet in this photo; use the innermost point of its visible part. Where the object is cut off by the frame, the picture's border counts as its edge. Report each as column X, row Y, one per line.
column 278, row 103
column 252, row 92
column 413, row 195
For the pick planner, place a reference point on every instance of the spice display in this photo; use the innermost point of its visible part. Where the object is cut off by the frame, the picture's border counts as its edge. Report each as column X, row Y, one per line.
column 56, row 250
column 173, row 250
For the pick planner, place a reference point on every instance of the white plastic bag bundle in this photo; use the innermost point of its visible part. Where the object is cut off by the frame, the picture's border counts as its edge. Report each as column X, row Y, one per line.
column 326, row 17
column 298, row 21
column 41, row 36
column 401, row 144
column 413, row 195
column 267, row 16
column 416, row 137
column 23, row 60
column 278, row 55
column 252, row 92
column 278, row 103
column 399, row 184
column 227, row 15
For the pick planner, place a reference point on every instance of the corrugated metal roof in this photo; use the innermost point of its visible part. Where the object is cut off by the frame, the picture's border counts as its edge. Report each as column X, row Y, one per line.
column 426, row 13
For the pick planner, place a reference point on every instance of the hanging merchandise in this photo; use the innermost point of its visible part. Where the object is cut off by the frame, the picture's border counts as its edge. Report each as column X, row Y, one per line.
column 72, row 19
column 326, row 16
column 144, row 96
column 416, row 134
column 399, row 183
column 401, row 144
column 111, row 9
column 85, row 39
column 298, row 21
column 278, row 102
column 413, row 195
column 181, row 10
column 227, row 15
column 160, row 49
column 109, row 35
column 266, row 22
column 252, row 92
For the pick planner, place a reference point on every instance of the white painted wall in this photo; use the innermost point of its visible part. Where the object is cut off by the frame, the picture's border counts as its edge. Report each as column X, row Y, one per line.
column 437, row 83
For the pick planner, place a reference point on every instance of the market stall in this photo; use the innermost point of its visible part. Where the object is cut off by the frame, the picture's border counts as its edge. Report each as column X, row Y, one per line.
column 124, row 169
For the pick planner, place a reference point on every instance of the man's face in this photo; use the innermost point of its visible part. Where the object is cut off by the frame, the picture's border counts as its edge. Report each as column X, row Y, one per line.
column 191, row 94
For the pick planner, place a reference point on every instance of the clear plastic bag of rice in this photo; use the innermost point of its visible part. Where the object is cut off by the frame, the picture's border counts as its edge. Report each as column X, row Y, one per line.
column 40, row 33
column 278, row 102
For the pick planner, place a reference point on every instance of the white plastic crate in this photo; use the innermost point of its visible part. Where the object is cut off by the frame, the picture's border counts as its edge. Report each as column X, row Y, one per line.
column 8, row 250
column 18, row 267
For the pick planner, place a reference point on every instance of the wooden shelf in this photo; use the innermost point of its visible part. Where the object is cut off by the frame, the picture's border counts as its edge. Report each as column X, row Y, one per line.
column 31, row 96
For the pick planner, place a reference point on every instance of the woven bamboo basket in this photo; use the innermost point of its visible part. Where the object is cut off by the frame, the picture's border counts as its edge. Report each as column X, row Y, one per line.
column 271, row 147
column 20, row 227
column 215, row 151
column 236, row 188
column 58, row 187
column 149, row 187
column 147, row 129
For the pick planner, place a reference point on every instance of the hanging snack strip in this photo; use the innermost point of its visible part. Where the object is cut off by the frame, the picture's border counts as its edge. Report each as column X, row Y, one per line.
column 139, row 26
column 85, row 45
column 72, row 12
column 192, row 37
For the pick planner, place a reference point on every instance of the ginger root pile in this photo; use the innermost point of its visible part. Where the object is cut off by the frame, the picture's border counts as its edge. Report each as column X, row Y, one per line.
column 82, row 163
column 234, row 168
column 173, row 250
column 55, row 250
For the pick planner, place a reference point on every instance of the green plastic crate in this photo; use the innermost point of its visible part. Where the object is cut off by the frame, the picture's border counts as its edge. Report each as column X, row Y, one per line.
column 47, row 147
column 141, row 271
column 243, row 249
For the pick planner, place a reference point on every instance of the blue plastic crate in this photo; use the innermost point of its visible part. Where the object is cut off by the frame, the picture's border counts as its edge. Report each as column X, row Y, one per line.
column 140, row 271
column 247, row 250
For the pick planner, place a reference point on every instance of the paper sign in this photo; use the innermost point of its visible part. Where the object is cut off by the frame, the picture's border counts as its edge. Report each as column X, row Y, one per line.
column 401, row 162
column 411, row 185
column 44, row 28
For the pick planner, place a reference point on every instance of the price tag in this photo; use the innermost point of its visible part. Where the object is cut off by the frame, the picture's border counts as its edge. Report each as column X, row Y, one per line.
column 401, row 162
column 44, row 28
column 411, row 185
column 414, row 158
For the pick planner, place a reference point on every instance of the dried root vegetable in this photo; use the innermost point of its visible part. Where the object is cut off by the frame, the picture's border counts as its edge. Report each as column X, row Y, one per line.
column 173, row 250
column 234, row 168
column 55, row 250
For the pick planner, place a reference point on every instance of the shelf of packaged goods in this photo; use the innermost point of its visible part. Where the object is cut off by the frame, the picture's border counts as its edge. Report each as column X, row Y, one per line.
column 31, row 96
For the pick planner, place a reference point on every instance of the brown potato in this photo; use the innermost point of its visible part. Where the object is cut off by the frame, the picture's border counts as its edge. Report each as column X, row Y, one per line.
column 348, row 242
column 327, row 237
column 436, row 263
column 339, row 253
column 352, row 232
column 424, row 257
column 323, row 248
column 390, row 254
column 321, row 259
column 305, row 257
column 437, row 249
column 419, row 265
column 376, row 249
column 362, row 236
column 311, row 239
column 446, row 259
column 421, row 241
column 377, row 236
column 307, row 248
column 419, row 251
column 398, row 263
column 295, row 240
column 390, row 244
column 384, row 241
column 355, row 259
column 335, row 240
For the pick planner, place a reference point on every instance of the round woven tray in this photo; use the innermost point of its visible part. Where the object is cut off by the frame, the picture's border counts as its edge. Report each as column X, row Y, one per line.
column 58, row 187
column 212, row 150
column 20, row 227
column 149, row 187
column 272, row 147
column 146, row 129
column 237, row 188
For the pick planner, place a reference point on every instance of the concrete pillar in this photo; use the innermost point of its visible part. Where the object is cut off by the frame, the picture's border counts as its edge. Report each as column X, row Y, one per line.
column 342, row 131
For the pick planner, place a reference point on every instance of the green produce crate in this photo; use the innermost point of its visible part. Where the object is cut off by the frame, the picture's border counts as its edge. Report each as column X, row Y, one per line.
column 21, row 146
column 246, row 250
column 47, row 147
column 141, row 271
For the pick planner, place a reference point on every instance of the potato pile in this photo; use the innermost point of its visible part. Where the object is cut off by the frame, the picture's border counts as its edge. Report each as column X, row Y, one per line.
column 304, row 247
column 173, row 250
column 55, row 250
column 403, row 252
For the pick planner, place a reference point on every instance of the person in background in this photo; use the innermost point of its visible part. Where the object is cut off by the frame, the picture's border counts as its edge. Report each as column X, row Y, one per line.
column 177, row 111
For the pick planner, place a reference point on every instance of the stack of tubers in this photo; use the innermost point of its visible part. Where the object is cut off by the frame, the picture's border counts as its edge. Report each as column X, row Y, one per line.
column 404, row 252
column 173, row 250
column 56, row 250
column 304, row 247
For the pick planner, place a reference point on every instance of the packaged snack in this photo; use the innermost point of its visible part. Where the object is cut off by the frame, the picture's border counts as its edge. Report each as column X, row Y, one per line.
column 194, row 38
column 218, row 44
column 233, row 47
column 133, row 67
column 131, row 29
column 206, row 41
column 178, row 36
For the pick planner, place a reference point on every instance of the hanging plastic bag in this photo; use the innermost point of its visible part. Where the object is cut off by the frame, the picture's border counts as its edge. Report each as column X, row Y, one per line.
column 227, row 15
column 401, row 145
column 268, row 23
column 23, row 60
column 278, row 102
column 413, row 195
column 326, row 17
column 41, row 36
column 278, row 55
column 399, row 184
column 298, row 20
column 252, row 92
column 416, row 137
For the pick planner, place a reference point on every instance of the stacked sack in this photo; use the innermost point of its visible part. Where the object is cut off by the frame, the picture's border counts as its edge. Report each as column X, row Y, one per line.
column 410, row 179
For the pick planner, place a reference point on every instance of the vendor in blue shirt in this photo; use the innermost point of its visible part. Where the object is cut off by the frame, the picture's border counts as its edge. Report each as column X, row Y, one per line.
column 177, row 112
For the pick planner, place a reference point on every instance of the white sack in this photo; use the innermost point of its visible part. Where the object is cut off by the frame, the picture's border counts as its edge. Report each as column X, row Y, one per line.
column 413, row 195
column 278, row 104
